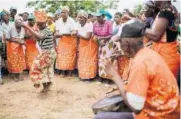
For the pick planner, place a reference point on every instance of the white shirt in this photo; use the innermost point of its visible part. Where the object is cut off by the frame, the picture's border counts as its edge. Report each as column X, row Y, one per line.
column 88, row 27
column 7, row 27
column 13, row 32
column 65, row 27
column 135, row 101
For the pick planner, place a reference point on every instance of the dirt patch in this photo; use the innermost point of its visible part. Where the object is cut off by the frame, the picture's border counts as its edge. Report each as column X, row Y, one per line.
column 68, row 99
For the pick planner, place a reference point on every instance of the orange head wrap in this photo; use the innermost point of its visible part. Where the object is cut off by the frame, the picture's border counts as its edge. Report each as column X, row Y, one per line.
column 41, row 16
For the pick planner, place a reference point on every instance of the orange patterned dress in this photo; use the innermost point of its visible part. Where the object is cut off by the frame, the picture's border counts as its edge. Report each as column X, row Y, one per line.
column 15, row 51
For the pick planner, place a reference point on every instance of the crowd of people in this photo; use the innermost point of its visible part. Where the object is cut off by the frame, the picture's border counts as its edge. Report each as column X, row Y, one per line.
column 139, row 53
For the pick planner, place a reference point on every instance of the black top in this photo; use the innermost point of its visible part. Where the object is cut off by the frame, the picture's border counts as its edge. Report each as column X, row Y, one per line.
column 170, row 13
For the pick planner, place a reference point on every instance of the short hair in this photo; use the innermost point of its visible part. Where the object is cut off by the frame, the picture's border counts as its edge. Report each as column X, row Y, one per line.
column 119, row 14
column 26, row 13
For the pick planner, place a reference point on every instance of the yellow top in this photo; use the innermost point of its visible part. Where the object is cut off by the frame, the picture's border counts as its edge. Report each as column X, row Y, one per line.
column 51, row 27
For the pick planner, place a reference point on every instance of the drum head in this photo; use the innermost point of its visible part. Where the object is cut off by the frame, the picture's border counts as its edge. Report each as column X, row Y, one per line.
column 108, row 101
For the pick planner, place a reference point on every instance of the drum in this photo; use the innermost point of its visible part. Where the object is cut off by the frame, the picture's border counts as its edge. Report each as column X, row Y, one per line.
column 110, row 104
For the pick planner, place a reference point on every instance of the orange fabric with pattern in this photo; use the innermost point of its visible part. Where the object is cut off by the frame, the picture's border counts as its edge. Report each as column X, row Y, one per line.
column 16, row 57
column 66, row 53
column 87, row 59
column 150, row 77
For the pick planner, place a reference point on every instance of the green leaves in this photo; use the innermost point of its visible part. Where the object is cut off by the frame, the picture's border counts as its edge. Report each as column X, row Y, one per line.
column 74, row 5
column 138, row 9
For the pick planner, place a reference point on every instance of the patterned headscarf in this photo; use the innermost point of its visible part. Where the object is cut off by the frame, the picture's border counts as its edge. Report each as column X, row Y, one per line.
column 40, row 16
column 65, row 8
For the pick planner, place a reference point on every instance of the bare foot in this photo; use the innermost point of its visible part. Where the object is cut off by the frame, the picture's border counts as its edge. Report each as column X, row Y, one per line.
column 43, row 91
column 49, row 85
column 36, row 85
column 62, row 76
column 16, row 79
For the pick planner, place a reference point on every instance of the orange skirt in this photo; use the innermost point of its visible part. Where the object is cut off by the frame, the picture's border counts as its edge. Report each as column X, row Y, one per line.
column 15, row 58
column 170, row 54
column 30, row 53
column 88, row 59
column 66, row 53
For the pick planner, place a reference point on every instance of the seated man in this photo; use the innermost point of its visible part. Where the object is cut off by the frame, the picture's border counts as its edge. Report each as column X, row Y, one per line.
column 152, row 91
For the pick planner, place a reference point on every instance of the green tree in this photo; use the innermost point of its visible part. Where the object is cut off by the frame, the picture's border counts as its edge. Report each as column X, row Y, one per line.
column 138, row 9
column 74, row 5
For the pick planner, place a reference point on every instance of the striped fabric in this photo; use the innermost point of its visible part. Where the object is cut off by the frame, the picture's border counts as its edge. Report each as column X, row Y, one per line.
column 47, row 43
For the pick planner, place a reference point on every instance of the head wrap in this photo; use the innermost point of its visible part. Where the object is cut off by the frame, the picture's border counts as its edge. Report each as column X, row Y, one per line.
column 3, row 12
column 31, row 16
column 99, row 13
column 40, row 16
column 83, row 14
column 65, row 8
column 58, row 12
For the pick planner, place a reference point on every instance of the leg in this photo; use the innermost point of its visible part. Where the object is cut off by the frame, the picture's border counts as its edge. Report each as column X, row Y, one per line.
column 21, row 77
column 44, row 88
column 50, row 74
column 15, row 77
column 62, row 74
column 69, row 74
column 114, row 115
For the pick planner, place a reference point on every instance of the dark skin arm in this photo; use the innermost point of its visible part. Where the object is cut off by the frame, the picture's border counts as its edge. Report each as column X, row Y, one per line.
column 158, row 29
column 39, row 36
column 112, row 70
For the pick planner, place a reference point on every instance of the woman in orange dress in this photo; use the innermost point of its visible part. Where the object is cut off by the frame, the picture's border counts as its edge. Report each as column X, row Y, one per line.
column 15, row 49
column 67, row 44
column 88, row 48
column 31, row 51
